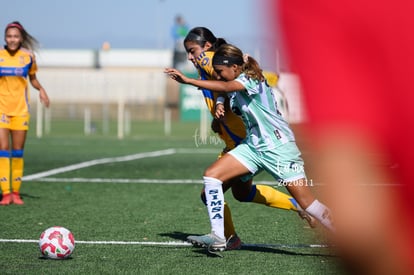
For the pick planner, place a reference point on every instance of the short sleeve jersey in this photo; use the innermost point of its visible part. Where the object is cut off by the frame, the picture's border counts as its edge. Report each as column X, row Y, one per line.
column 266, row 128
column 14, row 70
column 232, row 127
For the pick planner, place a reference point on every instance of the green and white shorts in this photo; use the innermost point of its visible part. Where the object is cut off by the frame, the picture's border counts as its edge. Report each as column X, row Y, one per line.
column 284, row 163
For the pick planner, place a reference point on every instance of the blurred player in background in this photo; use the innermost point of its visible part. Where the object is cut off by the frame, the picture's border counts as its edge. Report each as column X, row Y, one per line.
column 269, row 144
column 355, row 60
column 17, row 63
column 178, row 32
column 200, row 44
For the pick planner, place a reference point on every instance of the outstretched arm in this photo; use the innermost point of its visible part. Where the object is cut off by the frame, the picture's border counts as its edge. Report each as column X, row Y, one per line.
column 44, row 98
column 213, row 85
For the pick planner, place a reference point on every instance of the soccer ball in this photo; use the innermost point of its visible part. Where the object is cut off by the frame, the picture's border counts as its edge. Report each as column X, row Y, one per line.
column 56, row 243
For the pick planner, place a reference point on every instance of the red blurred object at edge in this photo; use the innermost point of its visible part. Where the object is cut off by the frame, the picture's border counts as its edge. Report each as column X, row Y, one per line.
column 356, row 64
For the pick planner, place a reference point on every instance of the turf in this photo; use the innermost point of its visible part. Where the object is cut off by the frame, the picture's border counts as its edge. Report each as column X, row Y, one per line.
column 138, row 201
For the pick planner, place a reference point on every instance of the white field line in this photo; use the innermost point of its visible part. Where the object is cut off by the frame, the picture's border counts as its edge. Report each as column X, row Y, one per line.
column 105, row 180
column 105, row 242
column 42, row 175
column 99, row 161
column 156, row 181
column 170, row 243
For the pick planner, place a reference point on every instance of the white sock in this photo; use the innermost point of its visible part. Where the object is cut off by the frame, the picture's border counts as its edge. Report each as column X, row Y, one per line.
column 215, row 205
column 322, row 213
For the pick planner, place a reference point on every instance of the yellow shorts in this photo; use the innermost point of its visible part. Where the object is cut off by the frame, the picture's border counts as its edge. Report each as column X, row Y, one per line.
column 14, row 122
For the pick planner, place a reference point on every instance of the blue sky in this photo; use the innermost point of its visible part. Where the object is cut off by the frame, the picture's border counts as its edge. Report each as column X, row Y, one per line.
column 136, row 23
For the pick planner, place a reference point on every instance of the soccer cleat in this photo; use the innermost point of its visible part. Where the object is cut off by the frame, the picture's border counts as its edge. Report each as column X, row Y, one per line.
column 211, row 241
column 233, row 243
column 16, row 198
column 195, row 241
column 305, row 216
column 6, row 200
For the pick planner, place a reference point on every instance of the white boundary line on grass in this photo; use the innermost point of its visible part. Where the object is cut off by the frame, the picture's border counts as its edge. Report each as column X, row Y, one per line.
column 104, row 242
column 170, row 243
column 106, row 180
column 100, row 161
column 42, row 175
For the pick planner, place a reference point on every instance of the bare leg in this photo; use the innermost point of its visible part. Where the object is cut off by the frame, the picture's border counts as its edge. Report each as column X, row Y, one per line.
column 18, row 139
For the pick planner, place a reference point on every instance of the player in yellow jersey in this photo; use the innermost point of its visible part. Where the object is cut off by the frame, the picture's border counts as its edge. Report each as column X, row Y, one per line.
column 200, row 44
column 17, row 65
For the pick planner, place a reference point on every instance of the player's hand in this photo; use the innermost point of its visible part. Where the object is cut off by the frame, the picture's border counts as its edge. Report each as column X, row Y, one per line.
column 176, row 75
column 220, row 110
column 44, row 98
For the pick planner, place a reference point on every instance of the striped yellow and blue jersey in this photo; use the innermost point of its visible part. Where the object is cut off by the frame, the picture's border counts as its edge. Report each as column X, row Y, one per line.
column 232, row 127
column 14, row 70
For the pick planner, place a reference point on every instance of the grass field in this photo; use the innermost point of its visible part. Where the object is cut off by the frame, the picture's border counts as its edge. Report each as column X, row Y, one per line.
column 131, row 215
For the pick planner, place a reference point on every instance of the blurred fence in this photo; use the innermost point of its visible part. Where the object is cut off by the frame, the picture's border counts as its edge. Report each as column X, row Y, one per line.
column 120, row 85
column 105, row 85
column 71, row 90
column 75, row 78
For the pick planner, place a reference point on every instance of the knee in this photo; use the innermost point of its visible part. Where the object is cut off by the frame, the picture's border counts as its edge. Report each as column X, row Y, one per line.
column 216, row 170
column 209, row 172
column 242, row 191
column 239, row 197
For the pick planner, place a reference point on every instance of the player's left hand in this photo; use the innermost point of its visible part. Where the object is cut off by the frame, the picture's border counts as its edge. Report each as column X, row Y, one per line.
column 176, row 75
column 44, row 98
column 220, row 110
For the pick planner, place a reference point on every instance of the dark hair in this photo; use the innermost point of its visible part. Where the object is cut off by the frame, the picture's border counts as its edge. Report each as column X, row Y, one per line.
column 29, row 42
column 201, row 35
column 228, row 55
